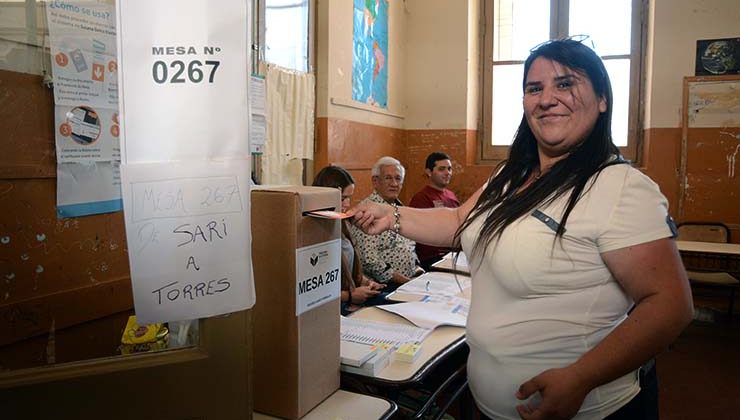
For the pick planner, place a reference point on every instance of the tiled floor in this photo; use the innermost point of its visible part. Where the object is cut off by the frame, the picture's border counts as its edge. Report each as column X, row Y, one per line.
column 700, row 374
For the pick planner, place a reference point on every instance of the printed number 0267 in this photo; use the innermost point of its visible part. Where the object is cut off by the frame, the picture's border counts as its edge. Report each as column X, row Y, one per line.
column 194, row 73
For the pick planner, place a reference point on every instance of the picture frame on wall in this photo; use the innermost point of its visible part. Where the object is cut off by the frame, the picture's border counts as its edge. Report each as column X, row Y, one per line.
column 717, row 57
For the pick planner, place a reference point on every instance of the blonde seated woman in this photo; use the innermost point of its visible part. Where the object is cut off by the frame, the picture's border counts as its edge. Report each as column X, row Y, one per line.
column 357, row 290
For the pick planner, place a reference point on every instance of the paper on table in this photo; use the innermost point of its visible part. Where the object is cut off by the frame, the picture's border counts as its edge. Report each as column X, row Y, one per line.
column 436, row 283
column 461, row 265
column 374, row 332
column 355, row 354
column 430, row 314
column 449, row 300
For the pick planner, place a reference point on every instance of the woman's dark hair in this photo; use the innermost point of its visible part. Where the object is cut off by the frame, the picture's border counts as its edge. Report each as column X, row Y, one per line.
column 338, row 177
column 501, row 203
column 333, row 177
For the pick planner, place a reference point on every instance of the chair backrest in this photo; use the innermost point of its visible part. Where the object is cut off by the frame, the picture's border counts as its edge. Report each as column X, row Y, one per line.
column 704, row 232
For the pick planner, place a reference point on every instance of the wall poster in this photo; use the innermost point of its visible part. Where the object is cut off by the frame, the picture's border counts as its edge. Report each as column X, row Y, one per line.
column 370, row 52
column 717, row 57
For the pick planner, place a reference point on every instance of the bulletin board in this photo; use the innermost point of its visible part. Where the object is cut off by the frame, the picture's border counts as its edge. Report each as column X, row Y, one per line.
column 710, row 150
column 55, row 273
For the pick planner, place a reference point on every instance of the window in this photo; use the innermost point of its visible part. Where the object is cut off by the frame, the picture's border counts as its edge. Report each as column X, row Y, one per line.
column 284, row 33
column 613, row 28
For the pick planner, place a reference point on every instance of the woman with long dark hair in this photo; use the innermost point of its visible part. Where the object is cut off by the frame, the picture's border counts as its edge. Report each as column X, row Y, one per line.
column 577, row 281
column 356, row 288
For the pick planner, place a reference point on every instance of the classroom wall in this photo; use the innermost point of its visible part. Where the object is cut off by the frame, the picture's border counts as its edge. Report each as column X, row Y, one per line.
column 443, row 92
column 439, row 109
column 56, row 273
column 676, row 25
column 433, row 100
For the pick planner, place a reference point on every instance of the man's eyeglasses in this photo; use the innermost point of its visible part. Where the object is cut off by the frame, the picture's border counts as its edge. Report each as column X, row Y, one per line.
column 390, row 179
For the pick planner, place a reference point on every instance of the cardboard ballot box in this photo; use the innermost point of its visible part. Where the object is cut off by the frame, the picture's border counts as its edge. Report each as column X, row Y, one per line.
column 296, row 262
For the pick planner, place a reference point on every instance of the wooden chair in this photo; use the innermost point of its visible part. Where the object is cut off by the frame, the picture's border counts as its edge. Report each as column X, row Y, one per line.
column 710, row 232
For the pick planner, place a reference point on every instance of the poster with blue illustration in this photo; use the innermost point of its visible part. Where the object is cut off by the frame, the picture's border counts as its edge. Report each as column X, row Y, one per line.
column 370, row 53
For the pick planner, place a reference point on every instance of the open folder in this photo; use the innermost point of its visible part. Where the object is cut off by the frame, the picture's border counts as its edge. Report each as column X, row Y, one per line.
column 432, row 314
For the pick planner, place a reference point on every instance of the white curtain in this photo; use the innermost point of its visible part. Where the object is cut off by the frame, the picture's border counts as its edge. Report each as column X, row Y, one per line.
column 290, row 125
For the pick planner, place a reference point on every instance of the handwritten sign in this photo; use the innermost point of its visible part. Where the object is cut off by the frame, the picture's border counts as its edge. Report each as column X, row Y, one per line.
column 184, row 102
column 187, row 226
column 318, row 276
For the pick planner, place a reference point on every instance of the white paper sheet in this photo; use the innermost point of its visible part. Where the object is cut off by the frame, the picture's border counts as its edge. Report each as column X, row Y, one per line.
column 88, row 188
column 258, row 92
column 462, row 264
column 374, row 332
column 188, row 232
column 258, row 133
column 185, row 156
column 318, row 276
column 431, row 314
column 436, row 283
column 185, row 80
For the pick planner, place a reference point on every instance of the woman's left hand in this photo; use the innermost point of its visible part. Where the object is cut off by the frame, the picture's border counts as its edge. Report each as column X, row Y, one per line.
column 562, row 393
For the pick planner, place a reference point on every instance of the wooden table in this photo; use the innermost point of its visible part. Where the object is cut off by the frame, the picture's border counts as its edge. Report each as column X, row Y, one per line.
column 440, row 369
column 710, row 256
column 437, row 346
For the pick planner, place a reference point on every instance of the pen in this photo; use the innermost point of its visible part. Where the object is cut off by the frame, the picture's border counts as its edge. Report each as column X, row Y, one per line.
column 427, row 286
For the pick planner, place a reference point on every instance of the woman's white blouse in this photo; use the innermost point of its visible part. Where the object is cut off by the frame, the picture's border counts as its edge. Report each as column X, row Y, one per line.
column 539, row 302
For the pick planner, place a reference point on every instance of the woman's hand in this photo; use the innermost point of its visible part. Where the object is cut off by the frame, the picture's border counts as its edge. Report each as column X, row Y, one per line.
column 363, row 293
column 373, row 285
column 372, row 218
column 562, row 392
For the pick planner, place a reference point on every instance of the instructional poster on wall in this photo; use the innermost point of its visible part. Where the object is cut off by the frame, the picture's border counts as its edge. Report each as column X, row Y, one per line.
column 83, row 51
column 88, row 188
column 184, row 101
column 86, row 134
column 82, row 37
column 258, row 127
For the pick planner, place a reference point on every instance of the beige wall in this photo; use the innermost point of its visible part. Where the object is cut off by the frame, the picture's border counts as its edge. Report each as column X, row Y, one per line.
column 474, row 74
column 676, row 25
column 436, row 64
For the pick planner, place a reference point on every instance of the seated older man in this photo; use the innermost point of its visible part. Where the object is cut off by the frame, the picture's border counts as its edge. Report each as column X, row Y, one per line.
column 387, row 258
